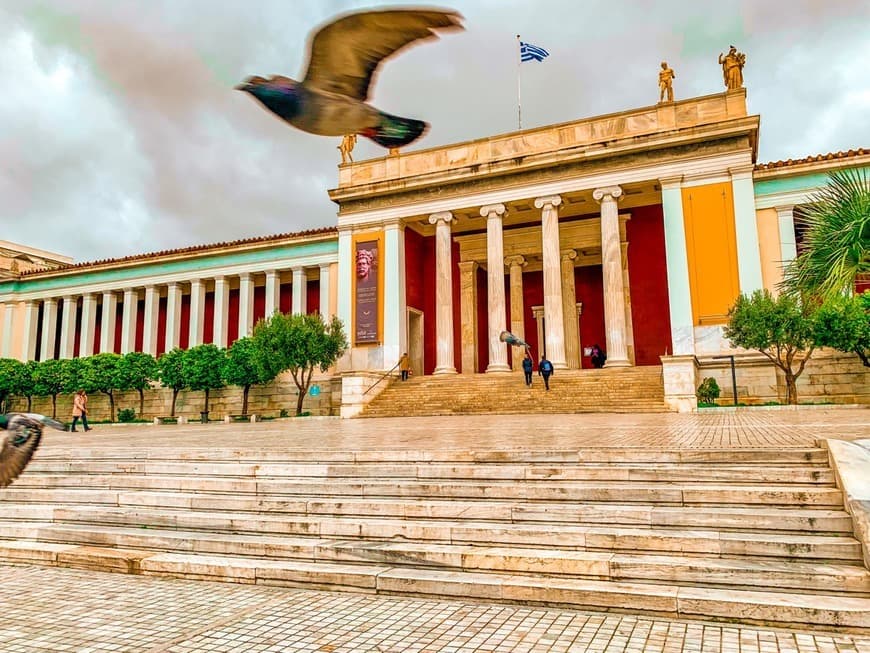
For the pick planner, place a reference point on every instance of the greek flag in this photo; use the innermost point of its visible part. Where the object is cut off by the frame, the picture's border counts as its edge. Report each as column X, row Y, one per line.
column 529, row 52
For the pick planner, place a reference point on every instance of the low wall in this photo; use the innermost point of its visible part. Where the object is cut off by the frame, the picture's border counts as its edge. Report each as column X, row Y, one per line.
column 267, row 401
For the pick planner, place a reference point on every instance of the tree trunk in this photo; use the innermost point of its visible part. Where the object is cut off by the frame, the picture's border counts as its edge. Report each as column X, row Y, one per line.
column 245, row 392
column 299, row 400
column 54, row 406
column 863, row 356
column 111, row 396
column 29, row 404
column 205, row 408
column 790, row 388
column 174, row 397
column 141, row 402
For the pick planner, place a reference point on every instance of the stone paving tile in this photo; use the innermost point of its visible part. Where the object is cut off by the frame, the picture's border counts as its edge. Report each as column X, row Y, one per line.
column 48, row 610
column 759, row 428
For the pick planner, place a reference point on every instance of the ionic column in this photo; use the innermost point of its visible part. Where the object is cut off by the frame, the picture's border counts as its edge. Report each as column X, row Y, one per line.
column 8, row 326
column 787, row 242
column 569, row 309
column 325, row 291
column 152, row 312
column 68, row 327
column 128, row 320
column 515, row 265
column 107, row 322
column 611, row 266
column 495, row 286
column 273, row 292
column 554, row 315
column 221, row 311
column 196, row 331
column 629, row 323
column 444, row 363
column 89, row 325
column 395, row 299
column 246, row 305
column 173, row 317
column 300, row 294
column 49, row 329
column 468, row 315
column 31, row 323
column 676, row 258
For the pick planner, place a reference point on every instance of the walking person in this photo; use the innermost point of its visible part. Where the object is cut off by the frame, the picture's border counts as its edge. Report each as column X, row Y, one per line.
column 405, row 366
column 545, row 369
column 80, row 410
column 528, row 366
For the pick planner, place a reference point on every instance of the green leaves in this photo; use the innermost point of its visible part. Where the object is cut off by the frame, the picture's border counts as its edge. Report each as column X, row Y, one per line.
column 170, row 369
column 202, row 367
column 240, row 365
column 844, row 324
column 138, row 370
column 764, row 323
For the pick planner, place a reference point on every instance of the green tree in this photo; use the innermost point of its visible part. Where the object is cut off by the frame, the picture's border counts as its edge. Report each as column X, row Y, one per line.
column 50, row 379
column 844, row 324
column 836, row 244
column 11, row 371
column 107, row 376
column 170, row 371
column 298, row 343
column 26, row 386
column 241, row 369
column 138, row 371
column 203, row 369
column 778, row 327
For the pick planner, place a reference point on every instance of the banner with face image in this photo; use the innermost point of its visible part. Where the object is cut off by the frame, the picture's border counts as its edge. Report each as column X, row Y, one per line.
column 366, row 272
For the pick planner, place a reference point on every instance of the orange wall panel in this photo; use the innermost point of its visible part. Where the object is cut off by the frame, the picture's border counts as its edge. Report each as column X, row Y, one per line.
column 711, row 245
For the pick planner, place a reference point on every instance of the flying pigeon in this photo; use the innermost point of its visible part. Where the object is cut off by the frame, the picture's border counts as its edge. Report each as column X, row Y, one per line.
column 512, row 340
column 20, row 433
column 343, row 60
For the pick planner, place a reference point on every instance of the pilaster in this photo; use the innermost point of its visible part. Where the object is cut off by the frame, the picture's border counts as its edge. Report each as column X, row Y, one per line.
column 571, row 326
column 515, row 266
column 468, row 315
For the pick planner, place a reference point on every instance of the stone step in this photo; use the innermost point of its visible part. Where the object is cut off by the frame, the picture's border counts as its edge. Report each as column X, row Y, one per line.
column 818, row 520
column 738, row 572
column 780, row 608
column 652, row 472
column 580, row 537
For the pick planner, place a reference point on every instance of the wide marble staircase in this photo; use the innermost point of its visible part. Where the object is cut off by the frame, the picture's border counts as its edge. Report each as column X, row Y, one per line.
column 744, row 535
column 617, row 390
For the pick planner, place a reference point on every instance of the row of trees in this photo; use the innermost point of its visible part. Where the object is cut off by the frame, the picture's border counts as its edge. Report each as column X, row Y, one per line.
column 298, row 343
column 818, row 305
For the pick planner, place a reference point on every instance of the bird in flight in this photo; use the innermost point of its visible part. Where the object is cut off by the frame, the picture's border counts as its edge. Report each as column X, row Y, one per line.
column 343, row 60
column 20, row 434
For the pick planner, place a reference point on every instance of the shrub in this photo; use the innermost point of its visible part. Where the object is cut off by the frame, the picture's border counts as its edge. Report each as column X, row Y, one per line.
column 708, row 391
column 126, row 415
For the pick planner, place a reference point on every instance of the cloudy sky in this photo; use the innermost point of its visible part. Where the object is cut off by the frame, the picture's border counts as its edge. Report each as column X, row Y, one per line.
column 120, row 131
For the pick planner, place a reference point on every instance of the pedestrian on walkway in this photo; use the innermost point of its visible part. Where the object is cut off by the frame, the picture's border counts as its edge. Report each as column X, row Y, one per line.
column 545, row 369
column 405, row 366
column 80, row 410
column 528, row 366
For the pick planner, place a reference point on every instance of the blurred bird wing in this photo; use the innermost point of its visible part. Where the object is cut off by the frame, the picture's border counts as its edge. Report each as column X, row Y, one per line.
column 343, row 56
column 19, row 442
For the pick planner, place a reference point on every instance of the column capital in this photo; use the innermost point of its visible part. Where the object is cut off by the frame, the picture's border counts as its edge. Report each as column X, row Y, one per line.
column 324, row 266
column 272, row 273
column 173, row 284
column 548, row 200
column 784, row 210
column 607, row 194
column 488, row 210
column 568, row 254
column 517, row 260
column 66, row 298
column 129, row 290
column 442, row 216
column 220, row 278
column 393, row 223
column 741, row 172
column 467, row 266
column 670, row 183
column 244, row 276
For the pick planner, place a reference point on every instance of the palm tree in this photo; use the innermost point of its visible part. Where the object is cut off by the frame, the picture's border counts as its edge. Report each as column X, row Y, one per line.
column 836, row 249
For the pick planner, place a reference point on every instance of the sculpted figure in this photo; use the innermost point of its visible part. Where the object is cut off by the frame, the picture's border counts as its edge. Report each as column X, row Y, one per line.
column 348, row 142
column 666, row 82
column 732, row 68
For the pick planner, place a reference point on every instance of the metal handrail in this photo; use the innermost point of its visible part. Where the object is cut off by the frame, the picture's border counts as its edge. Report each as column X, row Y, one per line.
column 383, row 376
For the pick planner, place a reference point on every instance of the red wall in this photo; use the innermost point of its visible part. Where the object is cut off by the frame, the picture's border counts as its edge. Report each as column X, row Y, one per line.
column 312, row 297
column 259, row 303
column 233, row 313
column 589, row 287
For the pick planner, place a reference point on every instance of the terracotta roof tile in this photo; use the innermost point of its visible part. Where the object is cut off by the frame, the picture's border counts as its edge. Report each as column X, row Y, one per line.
column 135, row 258
column 830, row 156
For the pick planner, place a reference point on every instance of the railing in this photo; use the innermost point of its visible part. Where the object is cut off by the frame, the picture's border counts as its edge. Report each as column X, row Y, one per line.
column 383, row 376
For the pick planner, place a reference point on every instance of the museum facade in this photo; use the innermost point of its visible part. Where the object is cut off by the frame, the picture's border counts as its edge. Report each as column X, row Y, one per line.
column 635, row 231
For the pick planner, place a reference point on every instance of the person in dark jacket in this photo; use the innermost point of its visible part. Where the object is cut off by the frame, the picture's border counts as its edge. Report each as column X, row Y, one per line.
column 545, row 369
column 598, row 356
column 528, row 366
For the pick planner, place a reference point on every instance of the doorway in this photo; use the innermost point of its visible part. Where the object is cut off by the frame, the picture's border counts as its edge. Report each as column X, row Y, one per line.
column 415, row 340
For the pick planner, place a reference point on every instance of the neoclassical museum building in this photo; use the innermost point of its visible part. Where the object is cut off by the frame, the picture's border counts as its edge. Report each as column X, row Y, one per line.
column 635, row 231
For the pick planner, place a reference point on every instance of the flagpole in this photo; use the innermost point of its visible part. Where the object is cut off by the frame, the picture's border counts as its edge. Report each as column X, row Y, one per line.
column 519, row 99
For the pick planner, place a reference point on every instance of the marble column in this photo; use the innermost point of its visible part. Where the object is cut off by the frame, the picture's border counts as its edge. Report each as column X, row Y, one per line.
column 395, row 300
column 468, row 315
column 68, row 327
column 787, row 240
column 173, row 317
column 325, row 291
column 677, row 263
column 107, row 322
column 8, row 329
column 746, row 230
column 569, row 309
column 221, row 311
column 494, row 214
column 611, row 266
column 273, row 292
column 444, row 362
column 128, row 320
column 49, row 329
column 629, row 322
column 89, row 325
column 196, row 332
column 246, row 305
column 515, row 266
column 152, row 313
column 31, row 324
column 300, row 291
column 554, row 315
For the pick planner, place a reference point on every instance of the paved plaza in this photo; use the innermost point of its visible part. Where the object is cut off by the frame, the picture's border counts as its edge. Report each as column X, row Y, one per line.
column 49, row 610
